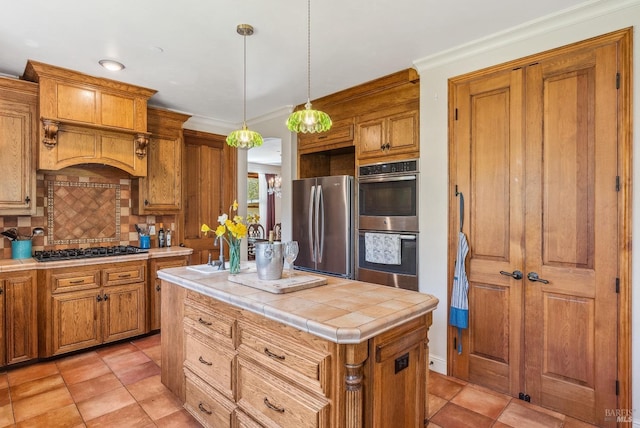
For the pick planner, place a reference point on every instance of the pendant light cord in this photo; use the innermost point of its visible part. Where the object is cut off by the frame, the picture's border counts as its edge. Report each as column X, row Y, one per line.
column 308, row 50
column 244, row 82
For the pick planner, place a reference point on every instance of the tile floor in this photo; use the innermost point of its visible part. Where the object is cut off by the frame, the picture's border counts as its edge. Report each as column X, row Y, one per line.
column 454, row 403
column 119, row 386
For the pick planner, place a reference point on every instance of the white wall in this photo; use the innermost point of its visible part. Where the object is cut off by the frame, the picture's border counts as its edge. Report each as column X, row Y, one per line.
column 562, row 29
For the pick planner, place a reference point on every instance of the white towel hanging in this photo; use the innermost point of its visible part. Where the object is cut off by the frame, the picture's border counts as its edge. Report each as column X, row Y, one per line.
column 383, row 248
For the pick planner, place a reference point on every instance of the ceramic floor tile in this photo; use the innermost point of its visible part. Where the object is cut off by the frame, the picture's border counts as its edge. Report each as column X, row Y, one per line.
column 147, row 342
column 161, row 405
column 481, row 400
column 4, row 381
column 4, row 397
column 90, row 388
column 517, row 415
column 41, row 403
column 6, row 416
column 123, row 362
column 135, row 373
column 119, row 349
column 443, row 386
column 36, row 371
column 153, row 352
column 131, row 416
column 86, row 369
column 35, row 387
column 105, row 403
column 63, row 417
column 146, row 388
column 453, row 416
column 179, row 419
column 75, row 360
column 435, row 404
column 575, row 423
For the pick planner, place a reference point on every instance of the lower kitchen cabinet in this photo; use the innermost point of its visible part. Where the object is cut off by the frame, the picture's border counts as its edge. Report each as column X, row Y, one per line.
column 86, row 306
column 155, row 286
column 18, row 317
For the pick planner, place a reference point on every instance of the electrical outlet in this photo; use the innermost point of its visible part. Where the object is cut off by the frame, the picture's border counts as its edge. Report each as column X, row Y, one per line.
column 152, row 229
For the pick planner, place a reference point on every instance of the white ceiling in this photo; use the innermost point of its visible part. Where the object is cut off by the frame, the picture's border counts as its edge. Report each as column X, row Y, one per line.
column 190, row 53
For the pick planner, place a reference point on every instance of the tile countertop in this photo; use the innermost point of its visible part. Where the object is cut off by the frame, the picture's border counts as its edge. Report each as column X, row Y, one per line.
column 11, row 265
column 343, row 311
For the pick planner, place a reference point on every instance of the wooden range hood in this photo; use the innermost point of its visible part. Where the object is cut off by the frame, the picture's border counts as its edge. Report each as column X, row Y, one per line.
column 89, row 120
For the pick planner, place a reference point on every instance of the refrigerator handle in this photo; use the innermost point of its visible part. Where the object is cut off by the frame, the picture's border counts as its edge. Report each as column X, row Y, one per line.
column 311, row 240
column 320, row 218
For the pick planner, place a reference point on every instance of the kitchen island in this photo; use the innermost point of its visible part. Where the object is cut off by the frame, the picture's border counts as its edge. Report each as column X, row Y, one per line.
column 343, row 354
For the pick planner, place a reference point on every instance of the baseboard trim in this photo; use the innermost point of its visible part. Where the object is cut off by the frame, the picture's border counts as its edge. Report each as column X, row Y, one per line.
column 439, row 364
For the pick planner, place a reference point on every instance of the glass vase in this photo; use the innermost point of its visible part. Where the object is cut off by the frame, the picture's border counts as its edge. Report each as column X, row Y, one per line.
column 234, row 257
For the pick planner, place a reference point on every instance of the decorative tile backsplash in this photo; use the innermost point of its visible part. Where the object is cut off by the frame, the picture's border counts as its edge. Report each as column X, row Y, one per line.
column 83, row 212
column 84, row 204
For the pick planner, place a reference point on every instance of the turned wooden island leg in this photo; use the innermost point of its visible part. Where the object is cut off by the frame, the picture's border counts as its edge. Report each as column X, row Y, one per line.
column 356, row 356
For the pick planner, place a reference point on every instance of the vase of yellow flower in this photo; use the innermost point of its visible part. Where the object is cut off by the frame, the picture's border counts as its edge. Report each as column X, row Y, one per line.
column 231, row 229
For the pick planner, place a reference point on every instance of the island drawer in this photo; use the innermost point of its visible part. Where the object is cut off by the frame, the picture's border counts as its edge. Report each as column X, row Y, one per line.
column 273, row 402
column 213, row 324
column 124, row 274
column 243, row 421
column 73, row 279
column 303, row 365
column 213, row 364
column 206, row 405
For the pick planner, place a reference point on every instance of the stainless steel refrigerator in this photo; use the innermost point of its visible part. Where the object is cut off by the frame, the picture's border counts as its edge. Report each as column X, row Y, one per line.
column 323, row 224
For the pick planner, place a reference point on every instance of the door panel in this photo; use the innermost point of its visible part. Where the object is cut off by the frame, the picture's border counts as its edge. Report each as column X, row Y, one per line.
column 490, row 176
column 571, row 234
column 536, row 154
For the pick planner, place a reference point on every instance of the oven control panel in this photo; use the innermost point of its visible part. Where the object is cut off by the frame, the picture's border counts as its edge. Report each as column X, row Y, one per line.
column 389, row 168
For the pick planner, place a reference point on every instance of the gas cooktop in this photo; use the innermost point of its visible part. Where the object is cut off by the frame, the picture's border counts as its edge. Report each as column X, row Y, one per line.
column 86, row 253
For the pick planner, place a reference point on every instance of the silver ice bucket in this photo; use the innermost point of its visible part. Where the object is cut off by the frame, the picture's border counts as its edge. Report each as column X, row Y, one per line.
column 269, row 260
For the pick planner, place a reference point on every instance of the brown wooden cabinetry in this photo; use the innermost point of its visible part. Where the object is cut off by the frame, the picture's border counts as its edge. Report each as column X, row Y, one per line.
column 155, row 286
column 88, row 119
column 160, row 191
column 235, row 368
column 18, row 119
column 86, row 306
column 18, row 317
column 339, row 136
column 391, row 134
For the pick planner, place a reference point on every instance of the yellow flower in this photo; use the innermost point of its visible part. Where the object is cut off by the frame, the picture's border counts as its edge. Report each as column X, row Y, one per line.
column 204, row 228
column 230, row 225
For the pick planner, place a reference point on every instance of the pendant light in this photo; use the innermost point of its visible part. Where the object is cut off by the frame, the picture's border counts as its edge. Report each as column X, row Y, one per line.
column 309, row 120
column 244, row 138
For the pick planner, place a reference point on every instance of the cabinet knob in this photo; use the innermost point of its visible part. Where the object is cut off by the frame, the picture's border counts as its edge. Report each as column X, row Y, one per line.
column 146, row 202
column 99, row 298
column 157, row 288
column 27, row 200
column 106, row 297
column 1, row 290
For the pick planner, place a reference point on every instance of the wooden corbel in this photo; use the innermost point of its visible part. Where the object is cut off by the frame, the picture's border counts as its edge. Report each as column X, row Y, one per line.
column 50, row 133
column 141, row 141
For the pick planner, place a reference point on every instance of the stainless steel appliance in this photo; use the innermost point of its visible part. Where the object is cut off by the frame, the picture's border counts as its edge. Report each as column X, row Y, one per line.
column 388, row 197
column 323, row 224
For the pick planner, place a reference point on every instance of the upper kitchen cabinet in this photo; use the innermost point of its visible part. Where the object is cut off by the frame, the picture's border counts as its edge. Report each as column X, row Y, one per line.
column 160, row 191
column 18, row 118
column 372, row 122
column 392, row 134
column 86, row 119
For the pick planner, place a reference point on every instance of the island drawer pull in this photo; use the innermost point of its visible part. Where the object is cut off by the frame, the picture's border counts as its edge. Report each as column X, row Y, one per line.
column 203, row 361
column 272, row 407
column 125, row 275
column 76, row 281
column 204, row 410
column 201, row 321
column 272, row 355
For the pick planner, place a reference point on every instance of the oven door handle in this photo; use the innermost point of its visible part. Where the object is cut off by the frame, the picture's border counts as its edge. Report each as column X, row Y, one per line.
column 388, row 178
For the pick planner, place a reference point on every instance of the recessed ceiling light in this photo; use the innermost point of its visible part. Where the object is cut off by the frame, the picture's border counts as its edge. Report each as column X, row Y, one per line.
column 111, row 65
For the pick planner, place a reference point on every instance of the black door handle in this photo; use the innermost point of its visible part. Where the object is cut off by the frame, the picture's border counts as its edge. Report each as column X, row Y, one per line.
column 516, row 274
column 533, row 277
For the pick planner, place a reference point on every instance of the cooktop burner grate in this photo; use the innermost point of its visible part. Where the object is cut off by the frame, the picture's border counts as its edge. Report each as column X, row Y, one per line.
column 86, row 253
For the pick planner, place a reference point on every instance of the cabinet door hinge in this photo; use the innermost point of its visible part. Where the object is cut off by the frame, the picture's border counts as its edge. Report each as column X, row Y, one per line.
column 617, row 183
column 617, row 387
column 617, row 285
column 617, row 80
column 456, row 114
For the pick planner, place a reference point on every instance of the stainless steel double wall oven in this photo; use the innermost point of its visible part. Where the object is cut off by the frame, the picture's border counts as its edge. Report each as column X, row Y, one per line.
column 388, row 208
